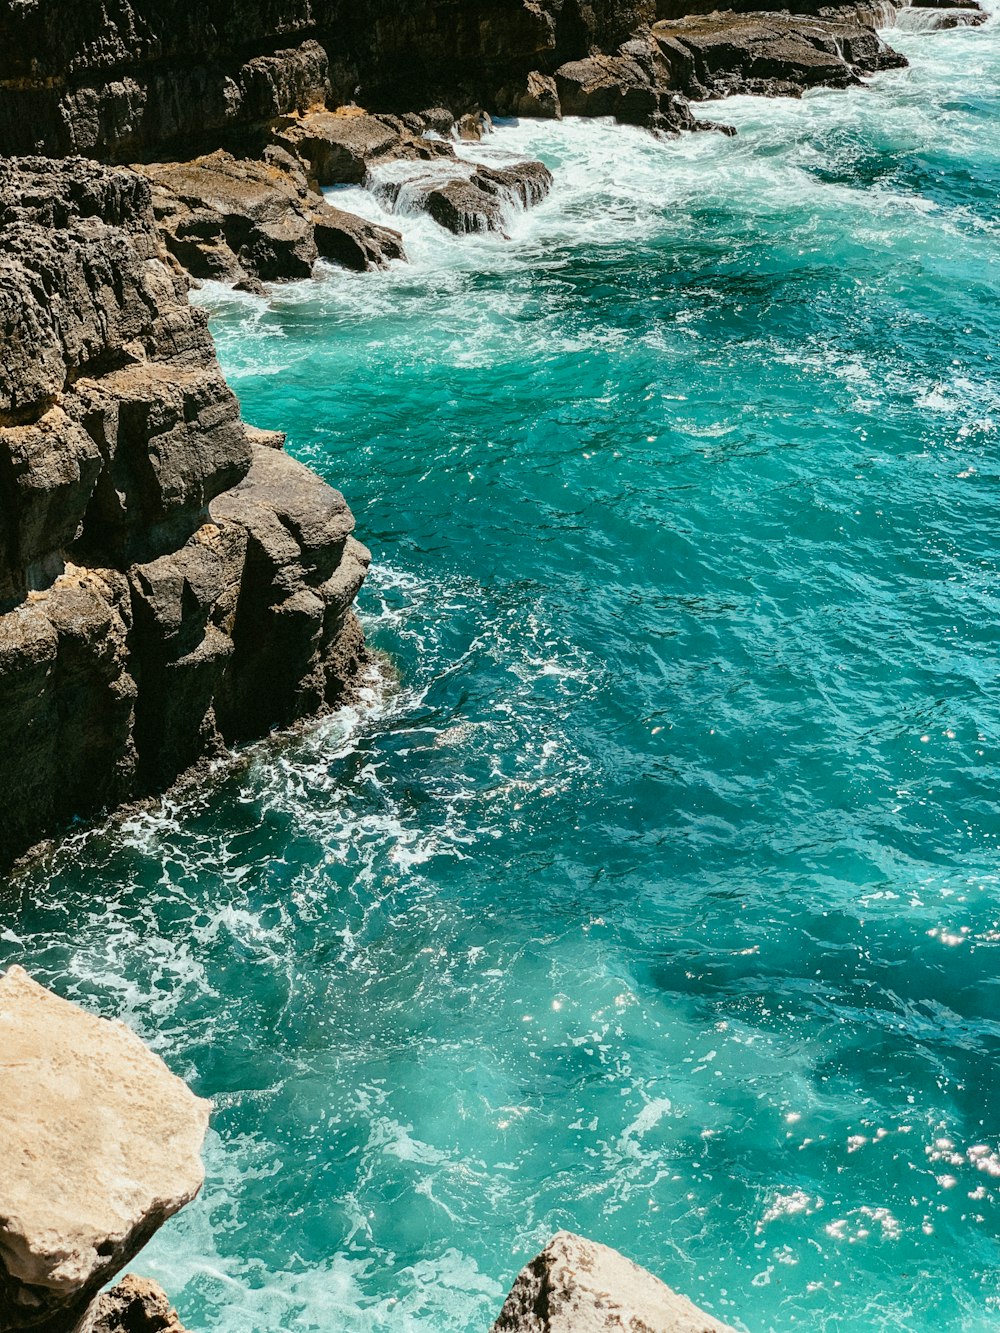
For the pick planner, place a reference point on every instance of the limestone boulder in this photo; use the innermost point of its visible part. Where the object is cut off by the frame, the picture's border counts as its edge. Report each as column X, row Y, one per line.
column 578, row 1286
column 465, row 197
column 101, row 1143
column 340, row 145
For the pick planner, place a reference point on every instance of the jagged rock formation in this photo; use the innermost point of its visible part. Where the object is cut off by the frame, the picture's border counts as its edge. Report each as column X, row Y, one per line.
column 577, row 1286
column 135, row 1305
column 101, row 1144
column 410, row 171
column 137, row 80
column 155, row 562
column 252, row 222
column 719, row 54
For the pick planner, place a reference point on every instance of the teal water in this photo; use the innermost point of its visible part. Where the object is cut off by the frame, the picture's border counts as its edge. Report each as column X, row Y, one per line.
column 658, row 898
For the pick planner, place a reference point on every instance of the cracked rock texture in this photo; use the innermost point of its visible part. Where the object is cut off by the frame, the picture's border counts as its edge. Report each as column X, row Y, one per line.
column 145, row 79
column 577, row 1286
column 156, row 561
column 101, row 1144
column 135, row 1305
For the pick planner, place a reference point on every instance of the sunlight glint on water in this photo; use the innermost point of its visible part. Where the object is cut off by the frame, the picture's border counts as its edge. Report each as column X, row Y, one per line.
column 659, row 899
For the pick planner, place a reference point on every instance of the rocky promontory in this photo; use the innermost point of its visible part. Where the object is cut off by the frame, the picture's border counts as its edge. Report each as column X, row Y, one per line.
column 169, row 582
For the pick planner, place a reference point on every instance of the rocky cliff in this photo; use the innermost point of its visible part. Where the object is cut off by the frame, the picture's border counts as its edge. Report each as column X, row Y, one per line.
column 124, row 80
column 170, row 582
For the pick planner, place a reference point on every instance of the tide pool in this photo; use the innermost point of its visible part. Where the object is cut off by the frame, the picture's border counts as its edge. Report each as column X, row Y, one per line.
column 652, row 891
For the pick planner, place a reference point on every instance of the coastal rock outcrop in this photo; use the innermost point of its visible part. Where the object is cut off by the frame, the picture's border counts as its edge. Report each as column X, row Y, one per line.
column 411, row 172
column 138, row 617
column 719, row 54
column 135, row 1305
column 250, row 222
column 577, row 1286
column 141, row 81
column 102, row 1143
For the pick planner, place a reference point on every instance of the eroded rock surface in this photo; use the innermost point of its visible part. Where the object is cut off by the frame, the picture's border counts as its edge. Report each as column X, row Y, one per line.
column 719, row 54
column 129, row 606
column 578, row 1286
column 246, row 222
column 100, row 1143
column 135, row 1305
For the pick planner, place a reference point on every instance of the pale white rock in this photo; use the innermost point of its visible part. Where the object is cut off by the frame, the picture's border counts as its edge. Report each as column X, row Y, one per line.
column 578, row 1286
column 99, row 1143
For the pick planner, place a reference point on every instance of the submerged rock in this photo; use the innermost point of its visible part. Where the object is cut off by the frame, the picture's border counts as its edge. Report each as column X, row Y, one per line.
column 466, row 197
column 102, row 1143
column 577, row 1286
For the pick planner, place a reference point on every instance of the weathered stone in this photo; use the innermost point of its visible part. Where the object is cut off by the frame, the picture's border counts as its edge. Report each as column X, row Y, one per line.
column 353, row 242
column 47, row 476
column 294, row 638
column 101, row 1144
column 339, row 145
column 185, row 102
column 465, row 197
column 473, row 126
column 620, row 86
column 125, row 614
column 241, row 221
column 577, row 1286
column 539, row 98
column 135, row 1305
column 719, row 54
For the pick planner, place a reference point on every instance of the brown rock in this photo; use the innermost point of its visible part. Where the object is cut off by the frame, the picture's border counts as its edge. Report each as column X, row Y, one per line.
column 577, row 1286
column 101, row 1145
column 466, row 197
column 135, row 1305
column 245, row 222
column 339, row 146
column 539, row 98
column 624, row 87
column 718, row 54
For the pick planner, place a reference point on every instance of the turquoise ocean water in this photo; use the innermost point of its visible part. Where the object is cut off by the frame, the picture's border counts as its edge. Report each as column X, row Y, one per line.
column 658, row 896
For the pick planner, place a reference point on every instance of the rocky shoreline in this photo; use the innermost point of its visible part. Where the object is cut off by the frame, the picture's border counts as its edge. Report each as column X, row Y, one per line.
column 170, row 584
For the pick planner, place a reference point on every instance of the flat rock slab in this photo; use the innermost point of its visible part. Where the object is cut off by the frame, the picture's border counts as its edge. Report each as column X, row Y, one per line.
column 100, row 1144
column 578, row 1286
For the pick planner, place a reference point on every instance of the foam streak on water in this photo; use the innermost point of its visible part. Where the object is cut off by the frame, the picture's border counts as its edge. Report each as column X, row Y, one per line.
column 658, row 898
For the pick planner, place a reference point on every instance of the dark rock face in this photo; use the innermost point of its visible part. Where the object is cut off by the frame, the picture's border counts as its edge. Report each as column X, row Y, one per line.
column 403, row 166
column 718, row 54
column 247, row 222
column 481, row 201
column 142, row 79
column 167, row 584
column 622, row 87
column 341, row 148
column 466, row 197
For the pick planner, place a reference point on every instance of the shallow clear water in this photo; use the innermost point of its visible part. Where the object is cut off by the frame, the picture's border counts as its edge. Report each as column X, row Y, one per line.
column 659, row 898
